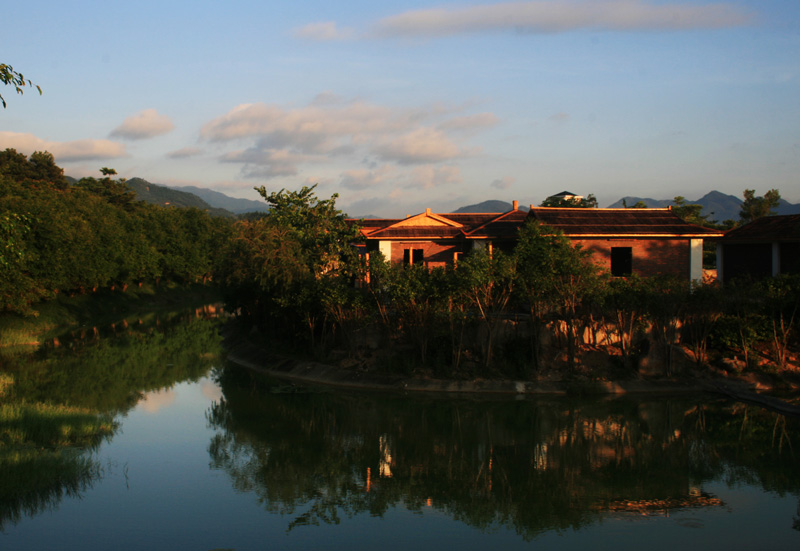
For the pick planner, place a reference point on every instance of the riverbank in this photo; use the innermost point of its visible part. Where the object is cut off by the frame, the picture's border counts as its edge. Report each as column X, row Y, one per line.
column 747, row 387
column 97, row 309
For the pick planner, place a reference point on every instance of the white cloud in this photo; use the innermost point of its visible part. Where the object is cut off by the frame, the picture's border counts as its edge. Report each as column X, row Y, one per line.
column 154, row 401
column 266, row 163
column 470, row 123
column 559, row 117
column 323, row 31
column 363, row 178
column 432, row 176
column 503, row 183
column 77, row 150
column 561, row 16
column 185, row 153
column 423, row 145
column 147, row 124
column 279, row 140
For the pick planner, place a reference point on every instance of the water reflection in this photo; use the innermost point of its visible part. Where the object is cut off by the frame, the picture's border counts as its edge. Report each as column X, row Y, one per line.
column 60, row 402
column 531, row 466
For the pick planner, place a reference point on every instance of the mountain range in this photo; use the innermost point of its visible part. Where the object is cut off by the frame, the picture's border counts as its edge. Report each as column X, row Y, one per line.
column 718, row 206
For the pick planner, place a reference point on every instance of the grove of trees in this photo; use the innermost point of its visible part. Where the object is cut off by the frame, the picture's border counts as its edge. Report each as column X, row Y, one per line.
column 57, row 237
column 297, row 277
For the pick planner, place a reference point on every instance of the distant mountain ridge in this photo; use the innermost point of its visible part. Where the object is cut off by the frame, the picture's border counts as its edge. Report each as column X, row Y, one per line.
column 718, row 206
column 166, row 196
column 222, row 201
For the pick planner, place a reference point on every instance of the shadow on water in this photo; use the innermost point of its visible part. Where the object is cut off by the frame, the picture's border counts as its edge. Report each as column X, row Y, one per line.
column 60, row 402
column 529, row 465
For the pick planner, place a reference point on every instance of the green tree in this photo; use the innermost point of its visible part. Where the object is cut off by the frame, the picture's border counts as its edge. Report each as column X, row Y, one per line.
column 487, row 281
column 690, row 213
column 556, row 278
column 588, row 202
column 10, row 77
column 40, row 169
column 322, row 231
column 754, row 207
column 638, row 205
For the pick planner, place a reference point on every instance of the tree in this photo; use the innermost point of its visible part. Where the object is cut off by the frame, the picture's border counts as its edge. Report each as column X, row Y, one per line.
column 553, row 277
column 757, row 207
column 690, row 213
column 40, row 168
column 321, row 229
column 588, row 202
column 639, row 205
column 116, row 192
column 10, row 77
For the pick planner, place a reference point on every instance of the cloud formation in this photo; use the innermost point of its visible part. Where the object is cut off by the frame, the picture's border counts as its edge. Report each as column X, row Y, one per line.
column 146, row 124
column 185, row 153
column 540, row 16
column 503, row 183
column 77, row 150
column 279, row 140
column 324, row 31
column 363, row 178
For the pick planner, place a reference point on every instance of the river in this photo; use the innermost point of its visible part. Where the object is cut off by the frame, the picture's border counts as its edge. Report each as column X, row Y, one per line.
column 207, row 456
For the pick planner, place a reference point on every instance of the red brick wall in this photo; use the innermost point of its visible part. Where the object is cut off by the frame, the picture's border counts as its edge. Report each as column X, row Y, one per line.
column 436, row 253
column 650, row 256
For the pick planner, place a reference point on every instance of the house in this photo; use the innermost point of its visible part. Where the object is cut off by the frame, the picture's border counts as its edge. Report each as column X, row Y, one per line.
column 625, row 241
column 765, row 247
column 565, row 196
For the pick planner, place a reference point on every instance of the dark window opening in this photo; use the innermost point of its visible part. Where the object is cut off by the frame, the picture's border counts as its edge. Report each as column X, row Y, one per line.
column 621, row 261
column 413, row 256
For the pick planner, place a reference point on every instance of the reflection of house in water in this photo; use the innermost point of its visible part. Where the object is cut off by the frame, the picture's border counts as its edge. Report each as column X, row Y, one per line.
column 695, row 499
column 385, row 462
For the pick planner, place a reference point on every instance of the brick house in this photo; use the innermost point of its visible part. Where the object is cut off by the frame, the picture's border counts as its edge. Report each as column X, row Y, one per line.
column 646, row 242
column 765, row 247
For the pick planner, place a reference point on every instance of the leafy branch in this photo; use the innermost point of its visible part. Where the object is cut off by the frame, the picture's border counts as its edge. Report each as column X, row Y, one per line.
column 9, row 76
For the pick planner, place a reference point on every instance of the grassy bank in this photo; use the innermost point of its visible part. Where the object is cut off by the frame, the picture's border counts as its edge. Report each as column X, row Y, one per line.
column 99, row 308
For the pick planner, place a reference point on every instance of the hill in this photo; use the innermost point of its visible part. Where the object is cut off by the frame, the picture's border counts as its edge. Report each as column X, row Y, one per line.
column 163, row 195
column 718, row 206
column 487, row 206
column 222, row 201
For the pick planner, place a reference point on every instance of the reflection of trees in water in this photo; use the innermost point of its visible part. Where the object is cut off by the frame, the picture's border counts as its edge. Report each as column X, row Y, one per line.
column 104, row 371
column 45, row 454
column 110, row 370
column 35, row 481
column 530, row 465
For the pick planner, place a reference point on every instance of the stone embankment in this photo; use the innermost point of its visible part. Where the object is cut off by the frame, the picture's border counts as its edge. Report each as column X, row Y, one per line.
column 253, row 357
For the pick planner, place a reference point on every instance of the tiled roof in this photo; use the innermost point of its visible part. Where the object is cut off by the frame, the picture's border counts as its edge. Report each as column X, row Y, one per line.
column 572, row 221
column 769, row 228
column 649, row 222
column 505, row 225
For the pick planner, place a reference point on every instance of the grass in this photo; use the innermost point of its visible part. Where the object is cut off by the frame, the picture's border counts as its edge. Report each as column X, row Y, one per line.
column 18, row 332
column 47, row 426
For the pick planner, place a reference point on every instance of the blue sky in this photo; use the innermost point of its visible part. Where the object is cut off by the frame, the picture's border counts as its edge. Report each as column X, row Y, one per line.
column 398, row 106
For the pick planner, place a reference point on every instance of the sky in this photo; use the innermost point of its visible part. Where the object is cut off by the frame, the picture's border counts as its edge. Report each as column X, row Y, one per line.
column 399, row 106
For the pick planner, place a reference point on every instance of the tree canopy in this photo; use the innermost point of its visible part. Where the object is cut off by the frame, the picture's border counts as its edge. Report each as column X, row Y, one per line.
column 588, row 202
column 757, row 207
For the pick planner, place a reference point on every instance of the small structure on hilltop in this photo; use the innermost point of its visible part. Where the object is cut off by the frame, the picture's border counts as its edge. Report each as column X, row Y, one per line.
column 645, row 242
column 765, row 247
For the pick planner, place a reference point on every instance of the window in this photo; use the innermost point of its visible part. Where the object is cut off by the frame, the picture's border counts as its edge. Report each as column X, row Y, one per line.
column 413, row 256
column 621, row 261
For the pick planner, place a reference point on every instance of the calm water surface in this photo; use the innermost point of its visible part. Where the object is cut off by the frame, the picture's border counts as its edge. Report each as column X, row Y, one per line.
column 207, row 456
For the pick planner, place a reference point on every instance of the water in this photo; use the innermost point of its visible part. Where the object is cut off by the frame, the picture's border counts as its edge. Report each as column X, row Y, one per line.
column 219, row 458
